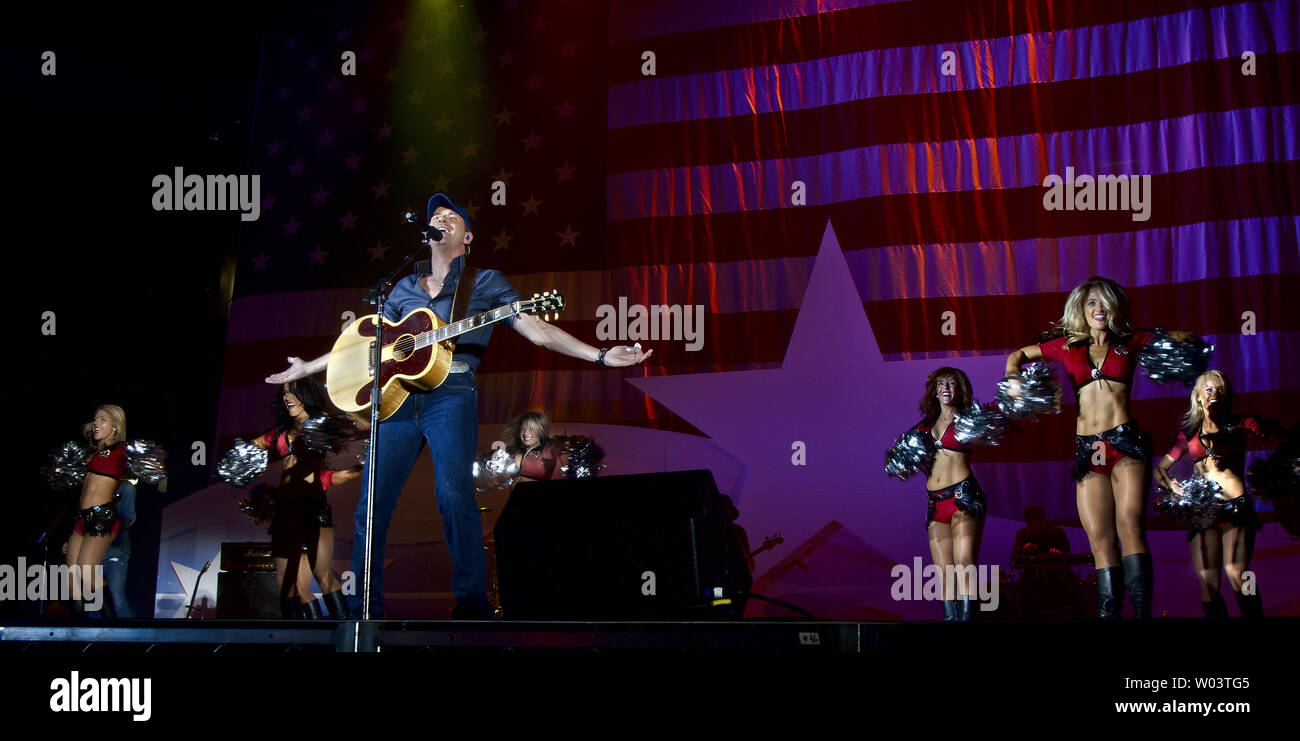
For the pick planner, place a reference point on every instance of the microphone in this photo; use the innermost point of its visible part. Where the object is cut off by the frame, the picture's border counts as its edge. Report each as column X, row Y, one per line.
column 428, row 232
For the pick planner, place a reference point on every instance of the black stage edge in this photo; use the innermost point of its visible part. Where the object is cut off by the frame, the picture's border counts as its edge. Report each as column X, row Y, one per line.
column 1003, row 677
column 1163, row 637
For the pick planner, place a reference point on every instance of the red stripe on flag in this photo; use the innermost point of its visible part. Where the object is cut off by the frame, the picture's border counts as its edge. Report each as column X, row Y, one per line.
column 1169, row 92
column 873, row 27
column 993, row 322
column 1189, row 197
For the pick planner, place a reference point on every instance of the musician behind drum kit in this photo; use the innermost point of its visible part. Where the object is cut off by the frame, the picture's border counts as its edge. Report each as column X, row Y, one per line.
column 446, row 414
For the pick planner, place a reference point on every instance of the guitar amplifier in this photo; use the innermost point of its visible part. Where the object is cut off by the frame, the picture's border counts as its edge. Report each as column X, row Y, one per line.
column 250, row 556
column 247, row 594
column 246, row 586
column 613, row 547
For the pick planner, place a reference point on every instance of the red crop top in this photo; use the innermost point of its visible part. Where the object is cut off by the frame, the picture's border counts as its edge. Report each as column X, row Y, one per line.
column 109, row 462
column 1119, row 365
column 1228, row 444
column 542, row 464
column 279, row 444
column 948, row 441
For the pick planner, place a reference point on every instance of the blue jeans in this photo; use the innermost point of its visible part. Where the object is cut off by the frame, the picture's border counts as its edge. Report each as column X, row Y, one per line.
column 447, row 418
column 115, row 581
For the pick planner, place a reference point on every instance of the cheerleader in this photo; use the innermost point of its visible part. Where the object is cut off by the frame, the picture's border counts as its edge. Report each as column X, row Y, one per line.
column 1099, row 350
column 302, row 529
column 537, row 455
column 955, row 503
column 96, row 523
column 1216, row 439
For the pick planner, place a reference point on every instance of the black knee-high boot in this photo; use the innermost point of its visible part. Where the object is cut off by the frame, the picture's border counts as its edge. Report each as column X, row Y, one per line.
column 966, row 608
column 336, row 605
column 949, row 610
column 311, row 610
column 1137, row 577
column 1110, row 592
column 289, row 609
column 1250, row 605
column 1216, row 609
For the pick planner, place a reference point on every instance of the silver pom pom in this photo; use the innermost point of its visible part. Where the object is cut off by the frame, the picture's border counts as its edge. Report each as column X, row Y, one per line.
column 495, row 470
column 67, row 466
column 147, row 461
column 1278, row 475
column 584, row 457
column 259, row 505
column 242, row 464
column 1040, row 393
column 1198, row 505
column 980, row 425
column 326, row 432
column 1165, row 360
column 913, row 451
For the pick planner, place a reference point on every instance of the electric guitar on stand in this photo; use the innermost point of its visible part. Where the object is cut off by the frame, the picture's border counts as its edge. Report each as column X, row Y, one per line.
column 416, row 354
column 769, row 542
column 189, row 611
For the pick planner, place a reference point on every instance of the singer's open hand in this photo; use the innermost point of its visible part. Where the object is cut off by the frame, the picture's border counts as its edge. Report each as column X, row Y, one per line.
column 297, row 369
column 625, row 355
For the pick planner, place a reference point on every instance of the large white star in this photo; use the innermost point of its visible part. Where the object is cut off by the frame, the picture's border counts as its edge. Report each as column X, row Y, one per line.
column 836, row 395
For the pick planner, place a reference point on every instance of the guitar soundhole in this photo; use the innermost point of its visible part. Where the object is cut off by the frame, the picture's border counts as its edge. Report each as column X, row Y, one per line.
column 403, row 347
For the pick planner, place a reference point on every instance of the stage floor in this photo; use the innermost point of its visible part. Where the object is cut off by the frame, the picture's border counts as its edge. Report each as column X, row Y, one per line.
column 1162, row 636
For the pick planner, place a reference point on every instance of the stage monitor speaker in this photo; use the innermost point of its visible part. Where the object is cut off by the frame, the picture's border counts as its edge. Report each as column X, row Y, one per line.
column 647, row 546
column 248, row 594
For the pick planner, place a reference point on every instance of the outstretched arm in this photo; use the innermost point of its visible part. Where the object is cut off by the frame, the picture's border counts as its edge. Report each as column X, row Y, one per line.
column 555, row 339
column 345, row 475
column 299, row 368
column 1264, row 428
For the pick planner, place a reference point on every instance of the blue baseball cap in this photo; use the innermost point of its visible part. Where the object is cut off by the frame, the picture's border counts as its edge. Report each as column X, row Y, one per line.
column 440, row 200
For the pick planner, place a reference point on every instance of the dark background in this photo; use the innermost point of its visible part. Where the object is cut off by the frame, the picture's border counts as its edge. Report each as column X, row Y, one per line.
column 140, row 297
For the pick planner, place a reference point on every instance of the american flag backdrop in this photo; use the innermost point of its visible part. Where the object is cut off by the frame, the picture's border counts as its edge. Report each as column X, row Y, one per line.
column 752, row 158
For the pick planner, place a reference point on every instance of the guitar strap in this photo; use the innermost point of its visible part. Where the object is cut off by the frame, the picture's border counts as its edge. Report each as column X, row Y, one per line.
column 464, row 289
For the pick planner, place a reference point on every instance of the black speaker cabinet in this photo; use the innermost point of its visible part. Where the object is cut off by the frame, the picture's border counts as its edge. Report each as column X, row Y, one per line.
column 248, row 594
column 648, row 546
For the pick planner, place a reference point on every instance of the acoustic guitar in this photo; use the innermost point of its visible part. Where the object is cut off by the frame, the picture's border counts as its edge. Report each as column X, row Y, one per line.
column 416, row 354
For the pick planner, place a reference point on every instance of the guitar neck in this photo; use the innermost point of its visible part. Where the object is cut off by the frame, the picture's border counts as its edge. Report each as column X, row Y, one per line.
column 468, row 324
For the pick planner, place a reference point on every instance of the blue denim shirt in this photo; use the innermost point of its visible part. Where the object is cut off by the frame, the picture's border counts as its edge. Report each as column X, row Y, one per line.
column 125, row 506
column 491, row 289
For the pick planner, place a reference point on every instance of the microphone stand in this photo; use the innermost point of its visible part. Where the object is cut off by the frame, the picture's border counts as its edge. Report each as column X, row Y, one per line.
column 44, row 543
column 377, row 296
